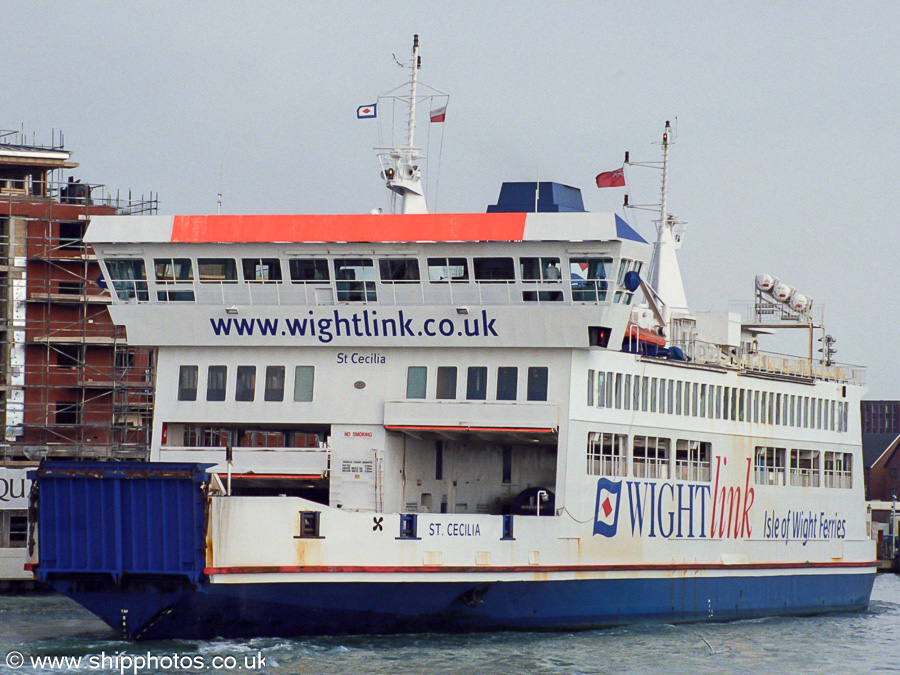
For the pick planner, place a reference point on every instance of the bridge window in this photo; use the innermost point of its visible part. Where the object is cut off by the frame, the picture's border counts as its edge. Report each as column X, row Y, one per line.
column 217, row 270
column 355, row 280
column 399, row 270
column 622, row 293
column 494, row 270
column 416, row 381
column 540, row 269
column 187, row 383
column 174, row 277
column 444, row 270
column 308, row 271
column 261, row 270
column 606, row 454
column 216, row 377
column 589, row 277
column 128, row 278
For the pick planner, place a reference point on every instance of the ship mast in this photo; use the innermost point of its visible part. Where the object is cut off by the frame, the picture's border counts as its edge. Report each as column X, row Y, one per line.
column 403, row 175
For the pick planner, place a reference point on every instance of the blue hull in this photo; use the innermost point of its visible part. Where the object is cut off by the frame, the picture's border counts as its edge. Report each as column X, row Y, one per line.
column 158, row 610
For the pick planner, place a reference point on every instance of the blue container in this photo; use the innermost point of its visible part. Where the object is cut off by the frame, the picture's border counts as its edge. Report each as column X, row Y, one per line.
column 120, row 518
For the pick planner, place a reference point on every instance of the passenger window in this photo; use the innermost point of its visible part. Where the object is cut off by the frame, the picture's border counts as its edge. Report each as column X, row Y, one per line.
column 217, row 270
column 215, row 383
column 416, row 379
column 308, row 271
column 446, row 382
column 187, row 383
column 262, row 270
column 537, row 383
column 476, row 386
column 494, row 270
column 304, row 377
column 444, row 270
column 507, row 378
column 274, row 383
column 399, row 270
column 355, row 280
column 540, row 269
column 245, row 386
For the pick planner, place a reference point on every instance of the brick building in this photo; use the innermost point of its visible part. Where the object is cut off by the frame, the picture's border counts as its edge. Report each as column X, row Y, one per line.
column 70, row 386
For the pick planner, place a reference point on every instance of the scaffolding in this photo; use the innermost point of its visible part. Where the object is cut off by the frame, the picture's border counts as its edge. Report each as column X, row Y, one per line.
column 70, row 384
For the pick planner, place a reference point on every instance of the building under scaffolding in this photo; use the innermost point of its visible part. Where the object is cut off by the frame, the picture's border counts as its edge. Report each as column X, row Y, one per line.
column 70, row 385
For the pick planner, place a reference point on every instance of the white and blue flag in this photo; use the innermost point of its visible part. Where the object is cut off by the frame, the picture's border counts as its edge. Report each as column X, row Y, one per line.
column 366, row 111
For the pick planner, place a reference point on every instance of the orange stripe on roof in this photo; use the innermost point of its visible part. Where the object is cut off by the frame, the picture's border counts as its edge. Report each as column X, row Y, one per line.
column 350, row 228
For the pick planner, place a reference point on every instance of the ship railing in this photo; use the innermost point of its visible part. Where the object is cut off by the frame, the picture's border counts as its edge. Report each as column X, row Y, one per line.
column 805, row 477
column 650, row 467
column 692, row 470
column 606, row 466
column 837, row 479
column 768, row 363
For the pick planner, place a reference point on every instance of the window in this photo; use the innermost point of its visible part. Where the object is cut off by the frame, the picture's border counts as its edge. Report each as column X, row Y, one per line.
column 71, row 235
column 304, row 379
column 601, row 390
column 507, row 379
column 408, row 526
column 216, row 270
column 69, row 356
column 174, row 279
column 308, row 271
column 590, row 388
column 68, row 412
column 692, row 460
column 838, row 472
column 274, row 383
column 476, row 383
column 444, row 270
column 309, row 525
column 494, row 270
column 650, row 457
column 13, row 528
column 399, row 270
column 622, row 293
column 537, row 383
column 261, row 270
column 540, row 269
column 805, row 468
column 653, row 387
column 606, row 454
column 215, row 383
column 128, row 279
column 355, row 280
column 416, row 379
column 446, row 382
column 245, row 384
column 187, row 383
column 589, row 277
column 627, row 393
column 769, row 466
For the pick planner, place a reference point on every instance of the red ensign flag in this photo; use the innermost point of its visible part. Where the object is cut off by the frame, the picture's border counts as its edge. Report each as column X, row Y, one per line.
column 611, row 178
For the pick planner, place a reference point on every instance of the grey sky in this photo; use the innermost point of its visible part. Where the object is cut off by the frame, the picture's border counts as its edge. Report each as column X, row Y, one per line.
column 788, row 120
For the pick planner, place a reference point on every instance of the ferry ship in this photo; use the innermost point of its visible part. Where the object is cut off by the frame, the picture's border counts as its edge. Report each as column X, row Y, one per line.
column 453, row 422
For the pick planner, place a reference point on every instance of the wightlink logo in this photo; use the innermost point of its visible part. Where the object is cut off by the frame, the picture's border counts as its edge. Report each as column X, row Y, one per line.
column 364, row 324
column 677, row 510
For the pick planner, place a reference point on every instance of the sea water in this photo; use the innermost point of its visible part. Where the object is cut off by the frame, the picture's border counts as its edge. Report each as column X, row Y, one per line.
column 35, row 629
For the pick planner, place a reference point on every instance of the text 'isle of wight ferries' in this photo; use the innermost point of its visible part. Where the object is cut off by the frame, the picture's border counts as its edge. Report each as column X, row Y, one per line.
column 366, row 323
